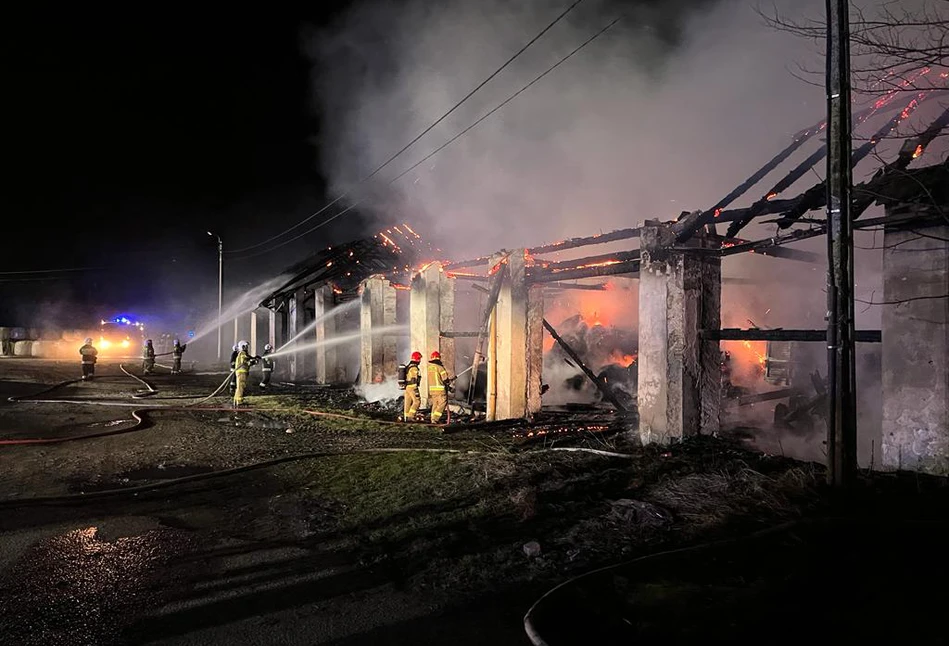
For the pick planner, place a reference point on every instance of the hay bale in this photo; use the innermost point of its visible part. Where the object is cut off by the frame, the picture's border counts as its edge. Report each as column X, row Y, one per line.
column 51, row 349
column 74, row 336
column 18, row 333
column 23, row 349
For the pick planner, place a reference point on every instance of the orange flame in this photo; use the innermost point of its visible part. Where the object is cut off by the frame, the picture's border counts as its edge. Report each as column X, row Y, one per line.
column 625, row 360
column 919, row 151
column 771, row 196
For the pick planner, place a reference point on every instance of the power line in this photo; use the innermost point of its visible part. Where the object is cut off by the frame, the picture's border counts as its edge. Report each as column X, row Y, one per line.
column 46, row 271
column 449, row 142
column 419, row 136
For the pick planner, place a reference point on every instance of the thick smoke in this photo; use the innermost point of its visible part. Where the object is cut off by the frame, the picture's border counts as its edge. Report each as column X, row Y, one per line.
column 666, row 112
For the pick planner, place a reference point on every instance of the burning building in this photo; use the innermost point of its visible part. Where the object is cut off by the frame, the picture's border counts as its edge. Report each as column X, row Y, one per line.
column 637, row 329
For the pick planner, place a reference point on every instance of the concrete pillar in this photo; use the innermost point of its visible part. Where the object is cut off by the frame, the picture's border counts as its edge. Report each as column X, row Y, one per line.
column 237, row 330
column 431, row 312
column 916, row 350
column 679, row 375
column 272, row 328
column 326, row 357
column 377, row 356
column 515, row 351
column 281, row 334
column 300, row 368
column 292, row 319
column 253, row 332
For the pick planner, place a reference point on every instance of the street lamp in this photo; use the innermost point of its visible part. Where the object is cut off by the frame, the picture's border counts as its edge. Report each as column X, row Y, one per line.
column 220, row 288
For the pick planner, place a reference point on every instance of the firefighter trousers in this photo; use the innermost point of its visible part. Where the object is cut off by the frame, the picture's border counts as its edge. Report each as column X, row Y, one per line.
column 411, row 404
column 239, row 390
column 438, row 400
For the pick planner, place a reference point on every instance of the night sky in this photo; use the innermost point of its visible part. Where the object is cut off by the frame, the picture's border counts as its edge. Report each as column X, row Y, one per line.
column 125, row 143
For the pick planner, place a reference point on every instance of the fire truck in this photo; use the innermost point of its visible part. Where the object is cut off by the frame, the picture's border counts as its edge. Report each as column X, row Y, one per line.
column 120, row 336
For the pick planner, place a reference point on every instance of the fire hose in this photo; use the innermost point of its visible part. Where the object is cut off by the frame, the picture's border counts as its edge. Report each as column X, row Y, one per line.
column 108, row 493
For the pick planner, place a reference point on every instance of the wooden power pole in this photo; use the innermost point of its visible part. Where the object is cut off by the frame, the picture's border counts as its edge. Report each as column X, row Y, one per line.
column 841, row 353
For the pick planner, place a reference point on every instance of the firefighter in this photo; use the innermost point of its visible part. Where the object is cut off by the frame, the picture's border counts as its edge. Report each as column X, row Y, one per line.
column 232, row 384
column 88, row 354
column 148, row 357
column 438, row 384
column 266, row 366
column 242, row 365
column 413, row 376
column 176, row 351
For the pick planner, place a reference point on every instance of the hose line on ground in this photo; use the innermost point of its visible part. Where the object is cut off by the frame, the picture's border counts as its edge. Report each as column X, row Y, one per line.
column 97, row 495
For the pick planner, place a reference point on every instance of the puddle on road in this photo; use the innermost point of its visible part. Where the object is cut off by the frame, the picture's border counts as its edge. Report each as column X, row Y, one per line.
column 78, row 588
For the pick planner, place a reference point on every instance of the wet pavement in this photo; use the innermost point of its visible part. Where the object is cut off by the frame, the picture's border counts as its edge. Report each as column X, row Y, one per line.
column 86, row 586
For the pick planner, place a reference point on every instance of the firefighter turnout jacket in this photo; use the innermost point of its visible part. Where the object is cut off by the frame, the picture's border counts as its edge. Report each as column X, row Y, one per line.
column 437, row 377
column 413, row 374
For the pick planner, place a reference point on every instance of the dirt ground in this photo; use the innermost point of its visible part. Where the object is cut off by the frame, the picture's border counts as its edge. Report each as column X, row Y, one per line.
column 312, row 518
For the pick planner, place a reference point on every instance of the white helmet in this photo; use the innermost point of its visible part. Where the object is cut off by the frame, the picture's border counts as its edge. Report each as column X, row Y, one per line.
column 235, row 348
column 268, row 347
column 88, row 341
column 243, row 345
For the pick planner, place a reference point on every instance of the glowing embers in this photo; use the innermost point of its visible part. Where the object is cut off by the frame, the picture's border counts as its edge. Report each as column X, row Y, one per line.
column 620, row 358
column 748, row 360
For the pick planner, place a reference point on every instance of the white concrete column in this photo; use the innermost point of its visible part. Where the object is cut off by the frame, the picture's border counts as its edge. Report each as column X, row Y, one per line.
column 237, row 330
column 916, row 350
column 301, row 357
column 272, row 328
column 377, row 360
column 515, row 354
column 326, row 357
column 679, row 375
column 253, row 332
column 291, row 325
column 431, row 312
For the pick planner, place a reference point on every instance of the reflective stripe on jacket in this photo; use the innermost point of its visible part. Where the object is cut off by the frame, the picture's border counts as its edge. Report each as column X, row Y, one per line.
column 437, row 376
column 242, row 363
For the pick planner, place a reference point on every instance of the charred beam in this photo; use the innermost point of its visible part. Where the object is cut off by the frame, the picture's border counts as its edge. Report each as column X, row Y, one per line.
column 579, row 263
column 573, row 243
column 816, row 196
column 601, row 386
column 596, row 288
column 768, row 396
column 628, row 267
column 474, row 262
column 473, row 277
column 736, row 334
column 459, row 335
column 690, row 225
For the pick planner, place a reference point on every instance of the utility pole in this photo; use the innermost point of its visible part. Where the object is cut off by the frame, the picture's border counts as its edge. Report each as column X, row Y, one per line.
column 841, row 351
column 220, row 288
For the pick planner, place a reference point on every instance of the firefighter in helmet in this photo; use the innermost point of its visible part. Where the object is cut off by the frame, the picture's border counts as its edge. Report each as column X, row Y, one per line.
column 232, row 383
column 438, row 384
column 242, row 365
column 176, row 351
column 266, row 366
column 413, row 376
column 148, row 357
column 88, row 354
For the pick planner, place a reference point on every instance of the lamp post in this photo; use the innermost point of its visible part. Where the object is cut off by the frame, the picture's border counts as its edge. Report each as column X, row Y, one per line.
column 220, row 288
